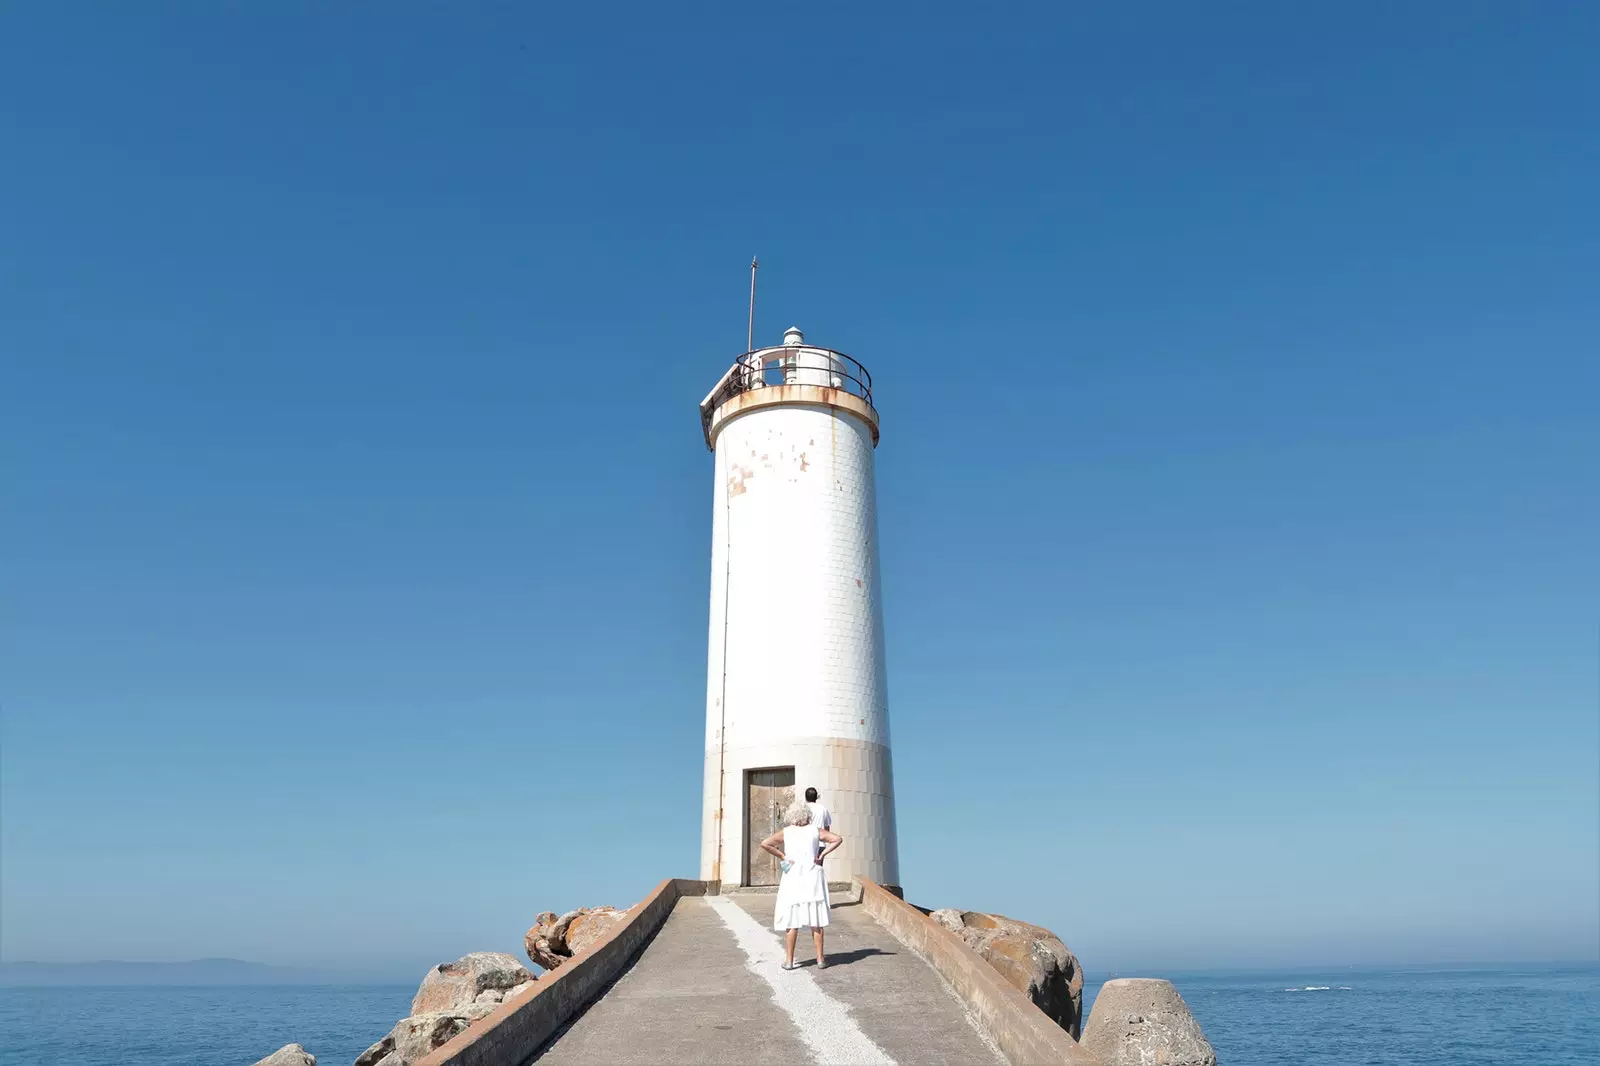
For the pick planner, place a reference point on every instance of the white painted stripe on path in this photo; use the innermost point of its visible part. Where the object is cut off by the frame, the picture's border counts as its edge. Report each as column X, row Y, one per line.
column 824, row 1023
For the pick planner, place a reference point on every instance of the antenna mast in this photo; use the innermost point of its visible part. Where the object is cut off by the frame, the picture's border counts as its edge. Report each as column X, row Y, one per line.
column 750, row 337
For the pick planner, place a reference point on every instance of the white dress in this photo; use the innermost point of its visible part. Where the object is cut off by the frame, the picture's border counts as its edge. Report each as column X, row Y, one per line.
column 803, row 891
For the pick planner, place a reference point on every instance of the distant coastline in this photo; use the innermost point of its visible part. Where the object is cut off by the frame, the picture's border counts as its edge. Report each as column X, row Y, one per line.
column 192, row 972
column 220, row 972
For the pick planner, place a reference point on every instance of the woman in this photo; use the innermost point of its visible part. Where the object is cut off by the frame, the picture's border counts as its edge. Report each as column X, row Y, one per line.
column 803, row 889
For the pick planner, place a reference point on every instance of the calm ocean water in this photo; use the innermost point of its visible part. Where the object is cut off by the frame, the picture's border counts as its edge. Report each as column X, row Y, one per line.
column 1539, row 1016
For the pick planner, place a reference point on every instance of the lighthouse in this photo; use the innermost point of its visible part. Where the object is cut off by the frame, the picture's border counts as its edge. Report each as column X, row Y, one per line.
column 796, row 690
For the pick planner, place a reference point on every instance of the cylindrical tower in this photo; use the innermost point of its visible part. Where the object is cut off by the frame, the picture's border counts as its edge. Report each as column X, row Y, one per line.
column 796, row 693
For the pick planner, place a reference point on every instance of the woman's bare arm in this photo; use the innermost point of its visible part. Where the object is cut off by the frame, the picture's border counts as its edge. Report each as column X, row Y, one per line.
column 832, row 841
column 770, row 845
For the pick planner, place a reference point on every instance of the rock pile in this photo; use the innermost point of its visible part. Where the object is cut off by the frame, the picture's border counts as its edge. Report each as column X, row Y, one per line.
column 1139, row 1021
column 454, row 995
column 289, row 1055
column 554, row 940
column 1032, row 959
column 451, row 997
column 483, row 977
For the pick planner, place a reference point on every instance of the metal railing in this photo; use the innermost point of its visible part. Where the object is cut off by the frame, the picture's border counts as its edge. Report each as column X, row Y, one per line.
column 788, row 365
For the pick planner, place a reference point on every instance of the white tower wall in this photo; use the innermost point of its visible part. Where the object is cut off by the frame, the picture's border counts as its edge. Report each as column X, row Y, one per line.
column 796, row 663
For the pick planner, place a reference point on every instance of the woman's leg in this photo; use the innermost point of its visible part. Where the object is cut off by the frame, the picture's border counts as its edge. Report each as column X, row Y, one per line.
column 788, row 943
column 816, row 938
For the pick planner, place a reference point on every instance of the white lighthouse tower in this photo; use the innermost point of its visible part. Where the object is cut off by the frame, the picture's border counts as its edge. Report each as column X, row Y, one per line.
column 796, row 693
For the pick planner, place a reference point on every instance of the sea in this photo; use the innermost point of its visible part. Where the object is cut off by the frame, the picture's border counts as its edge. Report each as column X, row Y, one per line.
column 1534, row 1015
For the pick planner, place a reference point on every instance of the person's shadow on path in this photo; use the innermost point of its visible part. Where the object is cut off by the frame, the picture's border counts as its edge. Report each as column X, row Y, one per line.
column 845, row 958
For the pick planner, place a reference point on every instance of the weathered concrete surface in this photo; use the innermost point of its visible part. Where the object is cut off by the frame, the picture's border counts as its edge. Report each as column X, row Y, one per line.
column 895, row 998
column 688, row 998
column 1007, row 1017
column 289, row 1055
column 1145, row 1022
column 691, row 998
column 684, row 979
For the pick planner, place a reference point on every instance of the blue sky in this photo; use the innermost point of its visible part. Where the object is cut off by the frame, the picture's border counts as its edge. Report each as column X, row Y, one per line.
column 1238, row 488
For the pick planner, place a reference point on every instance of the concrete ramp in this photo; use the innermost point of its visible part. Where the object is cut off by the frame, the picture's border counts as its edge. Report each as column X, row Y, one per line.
column 709, row 988
column 692, row 977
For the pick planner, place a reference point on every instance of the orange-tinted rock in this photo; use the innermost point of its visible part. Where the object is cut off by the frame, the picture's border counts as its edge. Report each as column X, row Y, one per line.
column 451, row 998
column 454, row 985
column 552, row 940
column 589, row 927
column 1032, row 960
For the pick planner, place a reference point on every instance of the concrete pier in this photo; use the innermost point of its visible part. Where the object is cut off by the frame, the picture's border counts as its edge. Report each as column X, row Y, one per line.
column 697, row 995
column 689, row 975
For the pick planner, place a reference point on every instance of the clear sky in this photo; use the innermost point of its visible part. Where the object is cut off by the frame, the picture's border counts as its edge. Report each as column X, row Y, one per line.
column 1238, row 486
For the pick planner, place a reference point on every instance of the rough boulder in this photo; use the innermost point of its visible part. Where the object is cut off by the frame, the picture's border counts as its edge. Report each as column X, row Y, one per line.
column 289, row 1055
column 414, row 1037
column 553, row 940
column 451, row 985
column 1032, row 959
column 1139, row 1021
column 451, row 998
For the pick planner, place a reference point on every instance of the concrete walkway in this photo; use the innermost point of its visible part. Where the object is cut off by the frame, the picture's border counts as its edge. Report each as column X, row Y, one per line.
column 709, row 989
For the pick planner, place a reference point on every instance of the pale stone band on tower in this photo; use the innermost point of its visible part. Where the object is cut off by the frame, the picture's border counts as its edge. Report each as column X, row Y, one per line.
column 796, row 689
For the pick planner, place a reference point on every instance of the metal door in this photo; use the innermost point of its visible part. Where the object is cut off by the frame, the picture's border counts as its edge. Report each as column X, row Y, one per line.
column 768, row 794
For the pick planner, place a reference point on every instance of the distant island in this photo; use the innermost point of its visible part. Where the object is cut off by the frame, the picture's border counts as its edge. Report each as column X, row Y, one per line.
column 194, row 972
